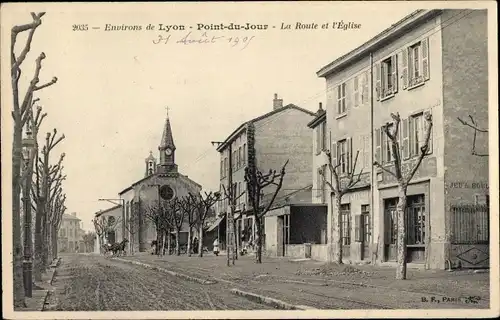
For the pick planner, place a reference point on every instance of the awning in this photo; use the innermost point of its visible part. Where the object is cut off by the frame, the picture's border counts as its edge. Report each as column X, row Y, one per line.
column 215, row 224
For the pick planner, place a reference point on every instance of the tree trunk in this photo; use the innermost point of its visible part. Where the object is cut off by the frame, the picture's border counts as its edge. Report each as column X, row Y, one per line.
column 200, row 244
column 258, row 241
column 164, row 245
column 190, row 231
column 37, row 263
column 401, row 243
column 177, row 243
column 235, row 253
column 53, row 233
column 159, row 241
column 338, row 234
column 16, row 216
column 44, row 242
column 169, row 242
column 49, row 244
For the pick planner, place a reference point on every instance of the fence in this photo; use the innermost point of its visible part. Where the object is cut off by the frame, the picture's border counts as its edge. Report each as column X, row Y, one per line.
column 470, row 224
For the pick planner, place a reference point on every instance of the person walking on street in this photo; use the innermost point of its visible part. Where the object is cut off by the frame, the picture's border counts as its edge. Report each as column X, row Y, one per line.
column 216, row 247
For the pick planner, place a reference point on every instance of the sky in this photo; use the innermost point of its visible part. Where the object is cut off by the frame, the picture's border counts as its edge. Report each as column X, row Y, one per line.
column 114, row 86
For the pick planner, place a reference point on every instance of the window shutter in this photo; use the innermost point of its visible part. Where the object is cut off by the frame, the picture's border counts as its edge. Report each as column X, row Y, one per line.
column 425, row 58
column 377, row 146
column 356, row 92
column 383, row 138
column 394, row 73
column 404, row 67
column 319, row 178
column 334, row 154
column 428, row 112
column 378, row 75
column 406, row 139
column 348, row 94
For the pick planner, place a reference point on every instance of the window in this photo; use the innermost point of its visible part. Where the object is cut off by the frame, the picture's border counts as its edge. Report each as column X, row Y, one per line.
column 388, row 77
column 111, row 221
column 391, row 221
column 415, row 64
column 388, row 154
column 222, row 169
column 321, row 137
column 345, row 211
column 364, row 90
column 225, row 167
column 416, row 134
column 343, row 156
column 341, row 103
column 415, row 215
column 365, row 218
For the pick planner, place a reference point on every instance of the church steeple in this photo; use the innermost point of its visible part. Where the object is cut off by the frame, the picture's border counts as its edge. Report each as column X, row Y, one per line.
column 167, row 149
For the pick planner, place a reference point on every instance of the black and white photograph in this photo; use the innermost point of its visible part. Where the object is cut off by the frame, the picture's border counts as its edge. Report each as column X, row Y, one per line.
column 273, row 159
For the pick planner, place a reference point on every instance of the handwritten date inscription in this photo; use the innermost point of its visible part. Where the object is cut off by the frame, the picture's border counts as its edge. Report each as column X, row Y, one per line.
column 205, row 38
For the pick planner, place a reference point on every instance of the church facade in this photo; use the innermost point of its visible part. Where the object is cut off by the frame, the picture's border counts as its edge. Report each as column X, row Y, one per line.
column 161, row 181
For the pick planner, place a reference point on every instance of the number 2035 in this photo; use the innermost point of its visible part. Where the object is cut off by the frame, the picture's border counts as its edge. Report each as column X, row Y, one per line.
column 80, row 27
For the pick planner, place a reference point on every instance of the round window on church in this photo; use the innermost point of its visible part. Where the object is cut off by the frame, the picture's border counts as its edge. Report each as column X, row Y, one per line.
column 167, row 193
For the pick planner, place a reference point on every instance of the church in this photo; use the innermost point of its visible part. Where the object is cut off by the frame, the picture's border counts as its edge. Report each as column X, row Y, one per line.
column 161, row 181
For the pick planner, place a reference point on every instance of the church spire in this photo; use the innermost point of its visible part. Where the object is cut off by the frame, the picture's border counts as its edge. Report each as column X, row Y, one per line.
column 166, row 139
column 167, row 149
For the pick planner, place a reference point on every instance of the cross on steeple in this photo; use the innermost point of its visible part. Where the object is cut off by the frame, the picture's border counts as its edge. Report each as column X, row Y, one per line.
column 168, row 108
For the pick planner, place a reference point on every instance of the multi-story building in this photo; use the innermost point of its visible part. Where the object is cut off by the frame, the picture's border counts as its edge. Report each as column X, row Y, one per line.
column 266, row 142
column 70, row 236
column 431, row 62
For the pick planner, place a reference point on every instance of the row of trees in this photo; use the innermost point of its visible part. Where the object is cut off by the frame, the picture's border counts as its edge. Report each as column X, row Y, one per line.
column 170, row 216
column 35, row 181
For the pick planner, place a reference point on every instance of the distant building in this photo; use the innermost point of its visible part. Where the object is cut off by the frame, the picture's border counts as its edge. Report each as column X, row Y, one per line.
column 266, row 142
column 112, row 219
column 161, row 180
column 431, row 62
column 70, row 237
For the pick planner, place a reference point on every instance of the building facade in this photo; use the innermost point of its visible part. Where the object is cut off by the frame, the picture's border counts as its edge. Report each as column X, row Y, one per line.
column 70, row 236
column 265, row 142
column 112, row 219
column 161, row 181
column 432, row 62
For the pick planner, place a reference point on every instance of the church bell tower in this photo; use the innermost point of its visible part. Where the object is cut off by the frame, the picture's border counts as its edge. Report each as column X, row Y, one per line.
column 167, row 150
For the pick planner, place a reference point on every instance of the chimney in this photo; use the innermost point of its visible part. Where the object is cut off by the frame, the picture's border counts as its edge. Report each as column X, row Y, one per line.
column 277, row 103
column 320, row 110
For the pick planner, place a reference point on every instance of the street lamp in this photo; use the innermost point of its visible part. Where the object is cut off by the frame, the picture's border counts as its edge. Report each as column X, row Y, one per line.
column 28, row 144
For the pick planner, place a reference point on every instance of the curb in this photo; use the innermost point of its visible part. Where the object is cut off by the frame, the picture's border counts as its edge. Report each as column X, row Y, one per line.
column 170, row 272
column 270, row 301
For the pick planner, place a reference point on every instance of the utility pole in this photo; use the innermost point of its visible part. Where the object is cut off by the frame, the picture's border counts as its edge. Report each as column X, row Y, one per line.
column 230, row 214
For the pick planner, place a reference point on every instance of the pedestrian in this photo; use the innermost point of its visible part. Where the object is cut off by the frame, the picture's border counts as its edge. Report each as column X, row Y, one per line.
column 216, row 247
column 244, row 242
column 195, row 245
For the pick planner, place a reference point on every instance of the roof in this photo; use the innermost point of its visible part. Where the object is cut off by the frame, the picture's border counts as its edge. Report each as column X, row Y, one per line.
column 319, row 119
column 101, row 212
column 265, row 115
column 393, row 32
column 66, row 216
column 158, row 174
column 166, row 138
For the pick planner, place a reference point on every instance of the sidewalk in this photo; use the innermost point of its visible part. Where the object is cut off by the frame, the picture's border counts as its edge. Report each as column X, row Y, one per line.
column 315, row 281
column 41, row 290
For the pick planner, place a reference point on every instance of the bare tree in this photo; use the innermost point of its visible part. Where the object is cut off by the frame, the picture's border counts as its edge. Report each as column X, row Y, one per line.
column 472, row 124
column 339, row 186
column 188, row 205
column 178, row 217
column 59, row 210
column 230, row 195
column 403, row 179
column 256, row 182
column 202, row 206
column 20, row 114
column 89, row 240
